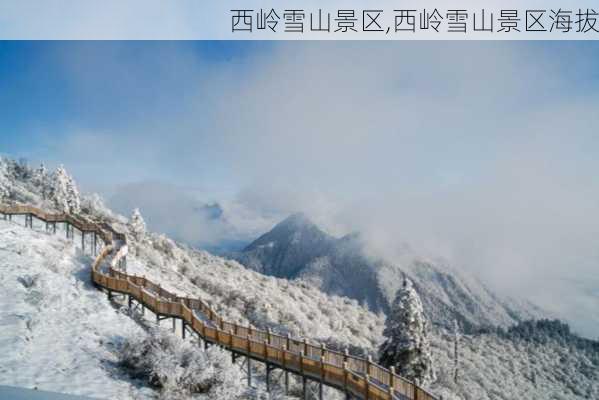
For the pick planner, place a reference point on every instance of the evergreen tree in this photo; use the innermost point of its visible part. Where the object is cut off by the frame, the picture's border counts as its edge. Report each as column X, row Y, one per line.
column 137, row 225
column 64, row 192
column 4, row 181
column 59, row 189
column 73, row 197
column 406, row 346
column 456, row 353
column 22, row 170
column 40, row 178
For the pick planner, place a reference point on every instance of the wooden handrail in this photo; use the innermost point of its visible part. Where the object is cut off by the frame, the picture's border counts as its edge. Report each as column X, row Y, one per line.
column 358, row 376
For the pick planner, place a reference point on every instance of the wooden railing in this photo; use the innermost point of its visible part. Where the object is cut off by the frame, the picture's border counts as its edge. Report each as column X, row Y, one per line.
column 357, row 376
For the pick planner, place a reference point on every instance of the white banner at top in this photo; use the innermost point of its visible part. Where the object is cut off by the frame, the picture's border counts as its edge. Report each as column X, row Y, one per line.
column 298, row 20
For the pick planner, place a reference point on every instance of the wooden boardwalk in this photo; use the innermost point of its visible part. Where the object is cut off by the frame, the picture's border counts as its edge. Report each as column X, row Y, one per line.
column 357, row 377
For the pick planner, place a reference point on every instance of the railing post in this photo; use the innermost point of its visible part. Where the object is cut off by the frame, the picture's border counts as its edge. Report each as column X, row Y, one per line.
column 285, row 350
column 265, row 350
column 367, row 386
column 301, row 360
column 368, row 364
column 345, row 376
column 392, row 381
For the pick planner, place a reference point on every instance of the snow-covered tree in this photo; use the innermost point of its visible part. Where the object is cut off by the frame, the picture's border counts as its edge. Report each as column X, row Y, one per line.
column 407, row 346
column 64, row 192
column 40, row 179
column 73, row 198
column 456, row 352
column 4, row 181
column 21, row 169
column 137, row 225
column 179, row 368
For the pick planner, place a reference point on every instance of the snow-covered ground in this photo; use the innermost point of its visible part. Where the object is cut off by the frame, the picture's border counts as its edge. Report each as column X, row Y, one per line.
column 57, row 331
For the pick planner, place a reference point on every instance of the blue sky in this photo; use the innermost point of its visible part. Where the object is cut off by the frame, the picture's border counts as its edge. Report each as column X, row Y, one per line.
column 51, row 88
column 38, row 93
column 483, row 153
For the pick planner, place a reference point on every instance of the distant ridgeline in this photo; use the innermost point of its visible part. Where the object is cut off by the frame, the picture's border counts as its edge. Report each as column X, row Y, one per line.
column 545, row 331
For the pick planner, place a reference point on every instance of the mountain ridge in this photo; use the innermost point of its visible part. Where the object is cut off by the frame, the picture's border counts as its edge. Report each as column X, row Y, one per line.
column 296, row 248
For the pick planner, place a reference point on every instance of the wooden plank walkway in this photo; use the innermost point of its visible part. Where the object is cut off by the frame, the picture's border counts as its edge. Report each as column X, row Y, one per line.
column 357, row 377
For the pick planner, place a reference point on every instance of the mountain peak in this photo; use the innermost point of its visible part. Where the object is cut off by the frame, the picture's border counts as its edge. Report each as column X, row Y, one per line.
column 290, row 230
column 288, row 247
column 296, row 220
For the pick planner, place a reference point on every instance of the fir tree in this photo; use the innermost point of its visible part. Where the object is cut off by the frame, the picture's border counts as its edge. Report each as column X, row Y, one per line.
column 406, row 346
column 4, row 181
column 64, row 192
column 137, row 225
column 73, row 197
column 40, row 178
column 456, row 353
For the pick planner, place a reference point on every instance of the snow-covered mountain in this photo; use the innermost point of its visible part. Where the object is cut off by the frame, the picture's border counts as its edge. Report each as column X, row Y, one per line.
column 297, row 249
column 62, row 334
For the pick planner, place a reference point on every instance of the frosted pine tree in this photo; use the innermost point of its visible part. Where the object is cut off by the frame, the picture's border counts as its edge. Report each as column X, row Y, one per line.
column 406, row 346
column 137, row 225
column 40, row 178
column 456, row 353
column 4, row 181
column 73, row 197
column 64, row 192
